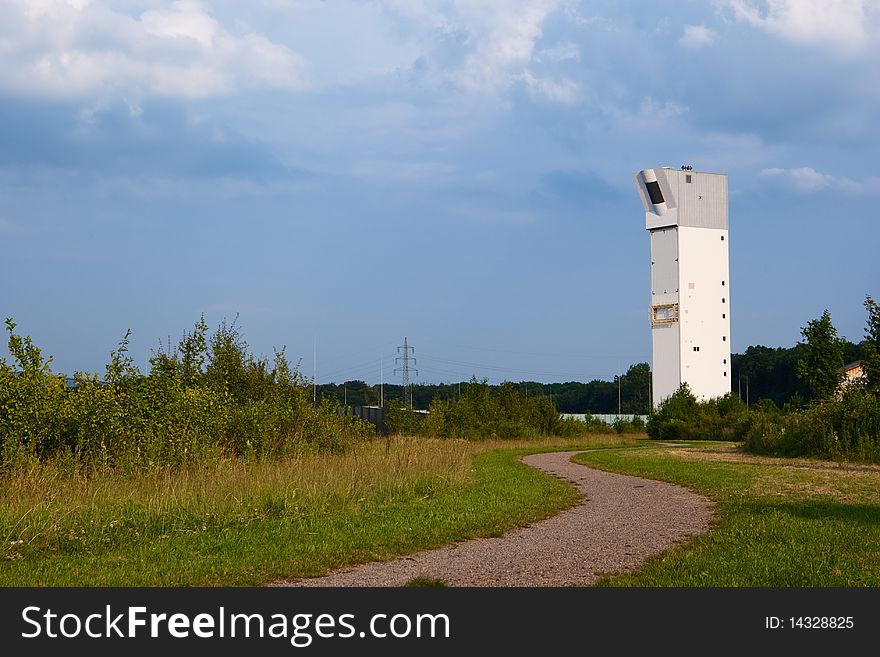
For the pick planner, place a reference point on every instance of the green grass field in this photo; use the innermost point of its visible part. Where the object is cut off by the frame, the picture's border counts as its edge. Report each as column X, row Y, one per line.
column 249, row 523
column 779, row 522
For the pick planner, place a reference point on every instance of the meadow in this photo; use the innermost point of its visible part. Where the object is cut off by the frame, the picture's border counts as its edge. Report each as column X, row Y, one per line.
column 780, row 522
column 253, row 521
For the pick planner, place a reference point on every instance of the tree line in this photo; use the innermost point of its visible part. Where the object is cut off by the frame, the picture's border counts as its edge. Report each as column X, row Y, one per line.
column 771, row 373
column 759, row 373
column 630, row 393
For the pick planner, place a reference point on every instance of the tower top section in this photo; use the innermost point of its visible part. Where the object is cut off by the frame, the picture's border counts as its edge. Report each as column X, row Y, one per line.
column 684, row 197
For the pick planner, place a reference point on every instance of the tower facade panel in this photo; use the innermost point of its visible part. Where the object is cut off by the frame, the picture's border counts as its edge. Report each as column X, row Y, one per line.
column 686, row 215
column 704, row 311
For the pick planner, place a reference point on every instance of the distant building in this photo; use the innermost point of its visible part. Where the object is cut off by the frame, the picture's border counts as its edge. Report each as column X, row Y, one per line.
column 851, row 372
column 686, row 216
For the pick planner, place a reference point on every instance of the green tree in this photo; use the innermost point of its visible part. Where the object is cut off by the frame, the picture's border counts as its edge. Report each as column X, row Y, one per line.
column 871, row 346
column 636, row 384
column 193, row 350
column 675, row 416
column 821, row 357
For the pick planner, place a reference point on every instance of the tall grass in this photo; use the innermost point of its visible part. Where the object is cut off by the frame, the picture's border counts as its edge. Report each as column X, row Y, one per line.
column 249, row 521
column 49, row 508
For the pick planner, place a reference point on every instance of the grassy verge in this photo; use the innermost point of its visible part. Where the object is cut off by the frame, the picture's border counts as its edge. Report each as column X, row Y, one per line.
column 779, row 522
column 241, row 522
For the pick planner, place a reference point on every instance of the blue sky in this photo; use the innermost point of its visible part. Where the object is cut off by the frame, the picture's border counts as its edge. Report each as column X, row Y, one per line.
column 456, row 172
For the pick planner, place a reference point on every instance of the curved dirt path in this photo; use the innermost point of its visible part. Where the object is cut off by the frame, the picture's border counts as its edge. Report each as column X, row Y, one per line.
column 621, row 522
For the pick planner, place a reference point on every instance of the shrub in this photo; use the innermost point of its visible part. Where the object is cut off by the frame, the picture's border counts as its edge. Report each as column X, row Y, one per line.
column 846, row 427
column 481, row 412
column 635, row 425
column 203, row 400
column 682, row 417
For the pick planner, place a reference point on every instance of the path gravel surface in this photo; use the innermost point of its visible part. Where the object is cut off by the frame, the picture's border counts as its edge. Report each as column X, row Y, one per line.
column 621, row 521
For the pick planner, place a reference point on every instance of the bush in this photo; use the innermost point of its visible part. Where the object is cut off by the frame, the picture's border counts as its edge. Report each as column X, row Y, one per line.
column 481, row 412
column 635, row 425
column 207, row 399
column 846, row 427
column 682, row 417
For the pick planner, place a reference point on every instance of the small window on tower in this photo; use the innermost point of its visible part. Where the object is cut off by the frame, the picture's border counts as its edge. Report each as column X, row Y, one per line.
column 723, row 315
column 723, row 300
column 725, row 361
column 687, row 178
column 696, row 348
column 724, row 338
column 722, row 238
column 722, row 283
column 725, row 374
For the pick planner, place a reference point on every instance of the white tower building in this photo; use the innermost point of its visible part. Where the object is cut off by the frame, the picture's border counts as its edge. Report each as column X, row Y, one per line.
column 686, row 215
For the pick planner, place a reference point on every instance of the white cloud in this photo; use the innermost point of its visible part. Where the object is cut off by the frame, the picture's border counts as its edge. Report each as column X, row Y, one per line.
column 560, row 52
column 696, row 36
column 807, row 179
column 504, row 35
column 494, row 45
column 846, row 24
column 563, row 91
column 57, row 48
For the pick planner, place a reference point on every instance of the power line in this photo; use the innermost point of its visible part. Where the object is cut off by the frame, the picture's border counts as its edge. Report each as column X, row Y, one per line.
column 405, row 371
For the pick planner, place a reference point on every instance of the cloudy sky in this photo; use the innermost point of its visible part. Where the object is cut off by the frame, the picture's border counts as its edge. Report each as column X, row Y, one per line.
column 458, row 172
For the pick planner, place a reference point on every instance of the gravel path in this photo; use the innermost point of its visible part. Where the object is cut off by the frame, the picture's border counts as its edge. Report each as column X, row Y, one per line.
column 621, row 522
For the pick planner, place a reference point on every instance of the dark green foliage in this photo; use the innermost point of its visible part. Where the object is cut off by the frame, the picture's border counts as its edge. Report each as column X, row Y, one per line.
column 602, row 396
column 402, row 421
column 767, row 373
column 206, row 399
column 484, row 411
column 682, row 417
column 571, row 397
column 636, row 425
column 771, row 373
column 844, row 427
column 842, row 421
column 821, row 357
column 636, row 390
column 871, row 346
column 847, row 427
